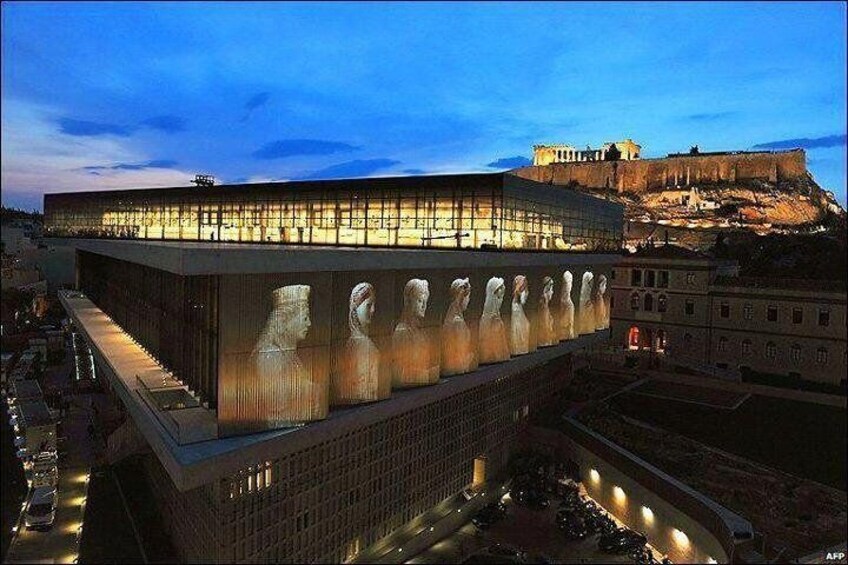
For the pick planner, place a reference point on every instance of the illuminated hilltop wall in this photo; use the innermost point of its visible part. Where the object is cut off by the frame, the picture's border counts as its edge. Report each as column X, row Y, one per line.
column 656, row 174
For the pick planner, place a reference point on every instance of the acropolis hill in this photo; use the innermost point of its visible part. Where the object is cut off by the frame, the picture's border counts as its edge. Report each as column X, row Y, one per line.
column 764, row 191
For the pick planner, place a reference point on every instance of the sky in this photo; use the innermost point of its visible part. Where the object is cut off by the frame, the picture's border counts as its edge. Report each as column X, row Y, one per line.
column 124, row 95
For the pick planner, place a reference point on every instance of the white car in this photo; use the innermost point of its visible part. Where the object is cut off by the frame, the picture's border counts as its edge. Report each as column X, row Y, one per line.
column 41, row 508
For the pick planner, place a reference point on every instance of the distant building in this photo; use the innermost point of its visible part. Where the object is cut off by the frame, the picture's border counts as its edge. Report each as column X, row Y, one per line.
column 690, row 307
column 626, row 150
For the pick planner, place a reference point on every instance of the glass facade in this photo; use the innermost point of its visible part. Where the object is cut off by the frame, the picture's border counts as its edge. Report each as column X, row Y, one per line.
column 455, row 211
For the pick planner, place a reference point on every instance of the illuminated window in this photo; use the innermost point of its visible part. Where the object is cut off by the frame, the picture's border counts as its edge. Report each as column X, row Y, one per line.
column 633, row 338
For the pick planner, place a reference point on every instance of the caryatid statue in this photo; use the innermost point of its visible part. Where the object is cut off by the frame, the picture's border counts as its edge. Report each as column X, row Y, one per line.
column 566, row 309
column 457, row 352
column 285, row 389
column 493, row 344
column 545, row 320
column 519, row 326
column 358, row 375
column 601, row 304
column 413, row 360
column 586, row 314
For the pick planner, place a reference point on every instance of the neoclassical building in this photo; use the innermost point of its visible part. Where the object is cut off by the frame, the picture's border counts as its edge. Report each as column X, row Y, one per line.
column 690, row 307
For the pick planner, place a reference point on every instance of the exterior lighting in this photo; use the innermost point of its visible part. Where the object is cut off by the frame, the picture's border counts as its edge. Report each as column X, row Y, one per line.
column 432, row 528
column 618, row 493
column 594, row 475
column 647, row 514
column 400, row 549
column 680, row 538
column 711, row 560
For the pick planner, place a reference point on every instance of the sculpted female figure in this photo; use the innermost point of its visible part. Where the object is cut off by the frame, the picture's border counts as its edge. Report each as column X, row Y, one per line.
column 286, row 391
column 566, row 308
column 601, row 304
column 519, row 327
column 457, row 354
column 586, row 315
column 413, row 362
column 358, row 377
column 545, row 320
column 493, row 345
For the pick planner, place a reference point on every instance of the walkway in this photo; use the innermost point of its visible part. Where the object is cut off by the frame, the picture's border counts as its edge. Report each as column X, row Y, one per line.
column 439, row 522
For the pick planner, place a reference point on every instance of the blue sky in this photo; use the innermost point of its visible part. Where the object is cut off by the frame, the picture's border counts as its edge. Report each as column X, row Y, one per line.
column 114, row 95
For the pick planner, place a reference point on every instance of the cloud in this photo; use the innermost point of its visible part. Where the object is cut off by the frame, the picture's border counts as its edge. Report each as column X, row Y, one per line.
column 168, row 124
column 710, row 116
column 82, row 128
column 38, row 158
column 154, row 164
column 805, row 143
column 291, row 147
column 351, row 169
column 510, row 162
column 414, row 172
column 256, row 101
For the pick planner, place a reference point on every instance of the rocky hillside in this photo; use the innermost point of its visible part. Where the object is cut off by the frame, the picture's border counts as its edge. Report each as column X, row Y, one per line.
column 795, row 206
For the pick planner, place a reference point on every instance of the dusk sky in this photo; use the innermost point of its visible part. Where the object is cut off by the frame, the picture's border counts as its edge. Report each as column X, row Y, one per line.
column 99, row 95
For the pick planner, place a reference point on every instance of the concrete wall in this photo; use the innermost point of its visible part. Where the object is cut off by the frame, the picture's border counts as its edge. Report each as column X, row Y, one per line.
column 647, row 174
column 708, row 527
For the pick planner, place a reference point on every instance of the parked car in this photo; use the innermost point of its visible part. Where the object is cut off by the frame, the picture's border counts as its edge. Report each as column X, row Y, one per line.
column 41, row 508
column 621, row 540
column 533, row 499
column 573, row 526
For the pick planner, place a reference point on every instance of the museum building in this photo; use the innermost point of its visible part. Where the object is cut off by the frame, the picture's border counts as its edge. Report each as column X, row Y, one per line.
column 311, row 365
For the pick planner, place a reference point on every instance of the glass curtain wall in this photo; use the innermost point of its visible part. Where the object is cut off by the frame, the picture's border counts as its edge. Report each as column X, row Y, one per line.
column 453, row 213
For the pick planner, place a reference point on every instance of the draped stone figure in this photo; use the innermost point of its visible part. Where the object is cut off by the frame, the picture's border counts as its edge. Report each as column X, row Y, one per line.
column 519, row 326
column 414, row 362
column 545, row 321
column 457, row 352
column 586, row 314
column 285, row 390
column 493, row 344
column 601, row 303
column 566, row 309
column 358, row 376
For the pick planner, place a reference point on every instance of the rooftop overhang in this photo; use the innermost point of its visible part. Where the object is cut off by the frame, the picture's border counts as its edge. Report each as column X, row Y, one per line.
column 208, row 258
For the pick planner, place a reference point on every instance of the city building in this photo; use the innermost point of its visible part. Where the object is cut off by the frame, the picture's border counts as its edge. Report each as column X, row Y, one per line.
column 626, row 150
column 312, row 365
column 692, row 308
